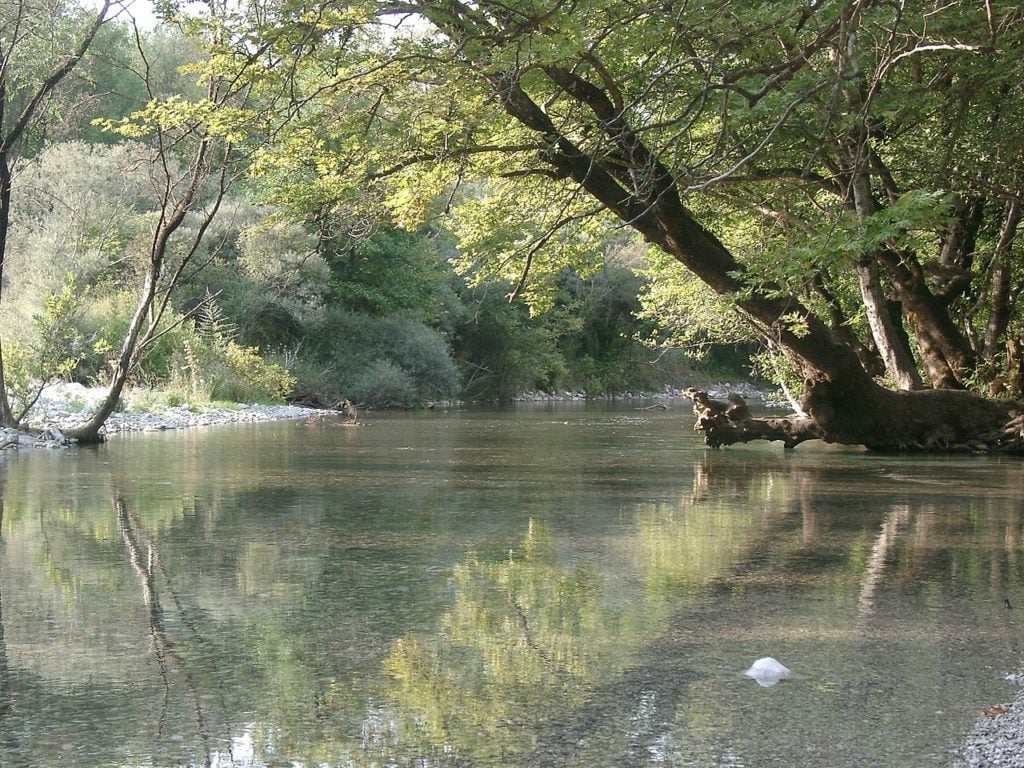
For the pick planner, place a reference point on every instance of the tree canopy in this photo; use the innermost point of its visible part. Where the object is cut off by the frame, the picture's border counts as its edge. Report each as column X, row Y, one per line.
column 842, row 176
column 845, row 173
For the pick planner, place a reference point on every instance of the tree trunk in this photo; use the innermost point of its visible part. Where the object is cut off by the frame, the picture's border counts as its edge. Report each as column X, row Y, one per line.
column 899, row 363
column 843, row 402
column 6, row 417
column 945, row 352
column 1001, row 286
column 91, row 431
column 934, row 420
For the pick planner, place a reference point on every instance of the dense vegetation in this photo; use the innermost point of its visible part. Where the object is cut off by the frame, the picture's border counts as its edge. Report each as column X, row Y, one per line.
column 395, row 201
column 261, row 295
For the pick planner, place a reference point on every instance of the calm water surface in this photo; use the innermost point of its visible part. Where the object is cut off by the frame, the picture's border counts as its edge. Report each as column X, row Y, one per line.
column 544, row 586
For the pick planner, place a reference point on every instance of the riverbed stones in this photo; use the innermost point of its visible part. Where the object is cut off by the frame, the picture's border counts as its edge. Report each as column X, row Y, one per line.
column 66, row 406
column 997, row 739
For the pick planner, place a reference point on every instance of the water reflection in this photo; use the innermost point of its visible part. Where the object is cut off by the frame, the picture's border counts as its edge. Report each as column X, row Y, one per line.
column 570, row 589
column 145, row 560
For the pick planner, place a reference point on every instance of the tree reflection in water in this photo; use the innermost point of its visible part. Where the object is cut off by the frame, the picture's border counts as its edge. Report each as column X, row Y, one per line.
column 145, row 559
column 506, row 610
column 538, row 664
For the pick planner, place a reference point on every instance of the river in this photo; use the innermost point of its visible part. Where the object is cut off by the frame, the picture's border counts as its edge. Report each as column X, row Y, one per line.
column 545, row 585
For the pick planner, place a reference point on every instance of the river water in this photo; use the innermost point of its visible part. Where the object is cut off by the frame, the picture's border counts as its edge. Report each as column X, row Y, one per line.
column 541, row 586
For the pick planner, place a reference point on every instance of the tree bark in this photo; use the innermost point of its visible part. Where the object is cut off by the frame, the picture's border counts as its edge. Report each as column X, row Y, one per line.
column 1001, row 285
column 6, row 416
column 899, row 363
column 945, row 352
column 935, row 420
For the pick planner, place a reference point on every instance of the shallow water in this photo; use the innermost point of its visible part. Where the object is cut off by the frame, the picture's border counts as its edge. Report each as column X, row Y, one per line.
column 541, row 586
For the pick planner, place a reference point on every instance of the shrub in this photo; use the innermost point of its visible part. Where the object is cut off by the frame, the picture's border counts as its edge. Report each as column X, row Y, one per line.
column 51, row 352
column 248, row 377
column 228, row 371
column 353, row 347
column 105, row 322
column 384, row 385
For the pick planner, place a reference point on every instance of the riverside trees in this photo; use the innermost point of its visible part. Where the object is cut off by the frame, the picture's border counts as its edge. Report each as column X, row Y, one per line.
column 847, row 173
column 39, row 48
column 844, row 175
column 183, row 154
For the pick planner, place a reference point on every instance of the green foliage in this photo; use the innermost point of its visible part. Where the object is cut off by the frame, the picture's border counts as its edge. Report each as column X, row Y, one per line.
column 105, row 320
column 240, row 374
column 278, row 256
column 383, row 385
column 501, row 351
column 216, row 369
column 51, row 352
column 372, row 131
column 349, row 346
column 601, row 331
column 684, row 313
column 390, row 271
column 79, row 209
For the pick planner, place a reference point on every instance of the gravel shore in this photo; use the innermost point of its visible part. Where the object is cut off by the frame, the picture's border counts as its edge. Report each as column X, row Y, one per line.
column 997, row 738
column 65, row 406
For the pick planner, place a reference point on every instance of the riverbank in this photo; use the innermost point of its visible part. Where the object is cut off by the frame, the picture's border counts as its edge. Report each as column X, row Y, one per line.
column 997, row 738
column 63, row 407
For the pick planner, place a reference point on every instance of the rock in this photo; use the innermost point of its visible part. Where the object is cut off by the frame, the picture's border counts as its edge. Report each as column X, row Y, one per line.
column 767, row 672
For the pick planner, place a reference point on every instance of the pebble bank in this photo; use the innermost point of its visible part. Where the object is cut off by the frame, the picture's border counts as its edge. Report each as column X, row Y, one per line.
column 997, row 738
column 65, row 406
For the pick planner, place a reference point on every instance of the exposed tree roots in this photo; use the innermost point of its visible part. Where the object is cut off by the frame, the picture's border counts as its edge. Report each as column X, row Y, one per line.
column 935, row 421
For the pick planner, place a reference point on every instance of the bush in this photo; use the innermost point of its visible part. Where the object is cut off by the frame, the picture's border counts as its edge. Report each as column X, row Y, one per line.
column 104, row 322
column 227, row 371
column 351, row 349
column 422, row 353
column 502, row 350
column 51, row 353
column 384, row 385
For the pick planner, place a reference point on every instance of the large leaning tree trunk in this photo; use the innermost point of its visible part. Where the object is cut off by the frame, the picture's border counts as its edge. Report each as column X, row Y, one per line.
column 843, row 172
column 596, row 134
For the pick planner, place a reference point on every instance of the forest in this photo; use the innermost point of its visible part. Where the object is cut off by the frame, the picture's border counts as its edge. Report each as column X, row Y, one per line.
column 394, row 202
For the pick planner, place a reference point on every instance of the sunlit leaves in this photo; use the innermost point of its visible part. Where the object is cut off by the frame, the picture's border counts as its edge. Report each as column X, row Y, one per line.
column 688, row 313
column 760, row 118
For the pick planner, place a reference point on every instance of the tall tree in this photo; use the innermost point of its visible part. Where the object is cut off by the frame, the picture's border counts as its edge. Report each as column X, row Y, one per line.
column 40, row 45
column 191, row 150
column 853, row 148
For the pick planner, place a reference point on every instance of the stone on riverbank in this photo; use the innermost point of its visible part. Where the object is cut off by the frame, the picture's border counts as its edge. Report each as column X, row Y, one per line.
column 64, row 406
column 997, row 739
